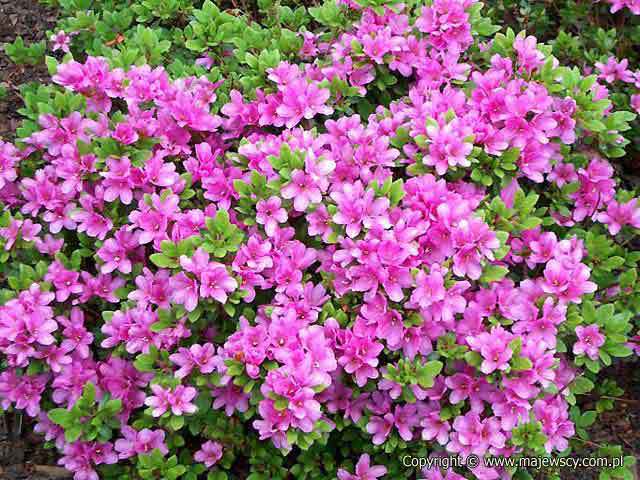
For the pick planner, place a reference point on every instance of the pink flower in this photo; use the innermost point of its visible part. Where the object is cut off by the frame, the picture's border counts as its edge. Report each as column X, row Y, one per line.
column 216, row 283
column 448, row 147
column 11, row 233
column 23, row 228
column 473, row 435
column 184, row 291
column 301, row 99
column 125, row 134
column 77, row 337
column 556, row 278
column 319, row 222
column 118, row 180
column 187, row 112
column 25, row 391
column 429, row 289
column 618, row 215
column 635, row 102
column 494, row 348
column 553, row 413
column 230, row 397
column 152, row 288
column 160, row 173
column 434, row 428
column 66, row 281
column 61, row 41
column 202, row 357
column 115, row 252
column 615, row 71
column 81, row 458
column 529, row 57
column 50, row 245
column 542, row 249
column 358, row 208
column 90, row 220
column 302, row 189
column 178, row 400
column 210, row 453
column 361, row 358
column 270, row 214
column 474, row 240
column 380, row 428
column 364, row 470
column 589, row 341
column 338, row 278
column 447, row 24
column 142, row 442
column 159, row 401
column 205, row 61
column 9, row 158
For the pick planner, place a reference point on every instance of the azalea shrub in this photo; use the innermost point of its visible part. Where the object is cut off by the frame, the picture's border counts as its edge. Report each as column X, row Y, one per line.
column 314, row 242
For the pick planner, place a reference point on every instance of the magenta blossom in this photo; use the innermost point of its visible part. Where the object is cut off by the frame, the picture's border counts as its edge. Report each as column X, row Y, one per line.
column 217, row 283
column 589, row 341
column 210, row 453
column 364, row 470
column 61, row 41
column 270, row 214
column 494, row 348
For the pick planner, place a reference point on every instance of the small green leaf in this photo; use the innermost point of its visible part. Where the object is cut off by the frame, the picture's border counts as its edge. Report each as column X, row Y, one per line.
column 61, row 416
column 521, row 363
column 493, row 273
column 162, row 261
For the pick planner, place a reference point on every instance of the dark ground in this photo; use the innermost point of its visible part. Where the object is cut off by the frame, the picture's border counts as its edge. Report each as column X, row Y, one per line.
column 24, row 458
column 30, row 20
column 620, row 426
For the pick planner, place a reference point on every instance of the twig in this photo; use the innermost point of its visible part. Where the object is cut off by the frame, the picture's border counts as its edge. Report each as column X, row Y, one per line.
column 52, row 471
column 588, row 442
column 620, row 399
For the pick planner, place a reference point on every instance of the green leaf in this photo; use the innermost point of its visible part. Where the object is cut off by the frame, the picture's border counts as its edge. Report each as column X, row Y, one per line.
column 397, row 192
column 587, row 419
column 281, row 404
column 112, row 406
column 619, row 351
column 61, row 416
column 427, row 372
column 493, row 273
column 473, row 358
column 144, row 363
column 242, row 188
column 176, row 422
column 89, row 393
column 521, row 363
column 582, row 385
column 72, row 433
column 162, row 261
column 169, row 248
column 510, row 156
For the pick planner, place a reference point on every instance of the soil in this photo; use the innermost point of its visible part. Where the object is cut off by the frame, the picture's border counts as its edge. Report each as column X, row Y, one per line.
column 25, row 458
column 30, row 20
column 620, row 426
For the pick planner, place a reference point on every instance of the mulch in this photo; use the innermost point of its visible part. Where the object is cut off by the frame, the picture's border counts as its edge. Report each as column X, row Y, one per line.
column 620, row 426
column 30, row 20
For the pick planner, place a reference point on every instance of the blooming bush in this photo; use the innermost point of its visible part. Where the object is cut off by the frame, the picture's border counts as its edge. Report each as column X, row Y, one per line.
column 587, row 35
column 388, row 231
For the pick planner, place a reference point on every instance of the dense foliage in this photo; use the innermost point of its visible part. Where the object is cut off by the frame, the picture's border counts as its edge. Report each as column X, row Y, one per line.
column 274, row 241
